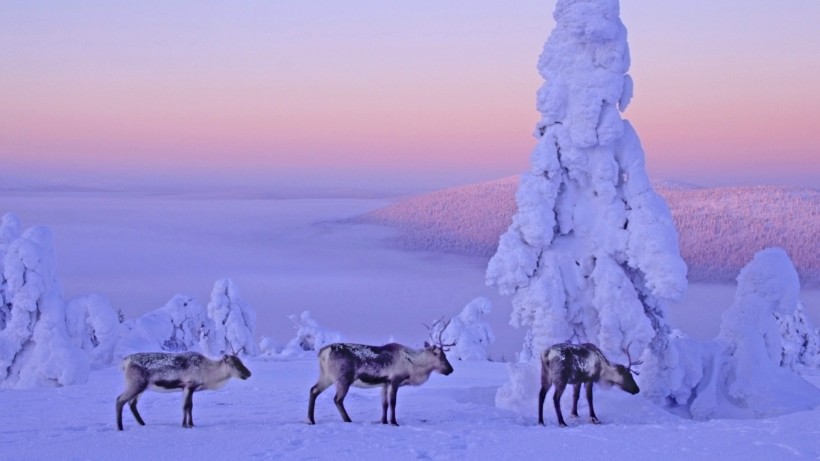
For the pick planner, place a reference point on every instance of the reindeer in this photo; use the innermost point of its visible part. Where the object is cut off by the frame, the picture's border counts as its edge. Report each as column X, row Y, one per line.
column 574, row 364
column 390, row 366
column 167, row 372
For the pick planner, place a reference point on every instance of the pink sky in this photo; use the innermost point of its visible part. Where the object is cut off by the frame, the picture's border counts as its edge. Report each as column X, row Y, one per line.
column 726, row 92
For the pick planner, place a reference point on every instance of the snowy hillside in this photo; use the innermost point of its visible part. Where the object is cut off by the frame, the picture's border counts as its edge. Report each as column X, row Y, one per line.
column 720, row 228
column 448, row 418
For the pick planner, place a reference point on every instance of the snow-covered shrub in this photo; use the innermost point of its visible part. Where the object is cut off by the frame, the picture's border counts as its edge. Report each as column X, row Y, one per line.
column 174, row 327
column 310, row 336
column 469, row 331
column 231, row 323
column 267, row 347
column 592, row 252
column 35, row 349
column 93, row 325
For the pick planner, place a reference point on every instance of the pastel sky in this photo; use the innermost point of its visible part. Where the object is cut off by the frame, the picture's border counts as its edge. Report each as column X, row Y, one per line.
column 727, row 91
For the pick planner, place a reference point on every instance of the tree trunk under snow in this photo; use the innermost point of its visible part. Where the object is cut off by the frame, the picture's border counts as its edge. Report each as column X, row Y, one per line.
column 592, row 252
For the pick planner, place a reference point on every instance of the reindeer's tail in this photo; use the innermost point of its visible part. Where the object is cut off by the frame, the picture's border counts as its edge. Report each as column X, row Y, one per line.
column 125, row 362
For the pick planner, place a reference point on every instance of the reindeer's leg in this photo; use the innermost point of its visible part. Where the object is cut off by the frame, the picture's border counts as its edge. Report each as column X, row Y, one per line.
column 393, row 389
column 342, row 386
column 576, row 394
column 556, row 400
column 187, row 407
column 384, row 404
column 317, row 389
column 542, row 395
column 133, row 405
column 120, row 403
column 131, row 393
column 592, row 417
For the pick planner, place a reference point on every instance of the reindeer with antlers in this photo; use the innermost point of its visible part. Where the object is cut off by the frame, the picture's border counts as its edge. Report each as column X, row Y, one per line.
column 574, row 364
column 390, row 366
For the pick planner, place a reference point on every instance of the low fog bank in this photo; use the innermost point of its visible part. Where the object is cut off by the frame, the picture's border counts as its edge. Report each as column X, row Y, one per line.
column 286, row 255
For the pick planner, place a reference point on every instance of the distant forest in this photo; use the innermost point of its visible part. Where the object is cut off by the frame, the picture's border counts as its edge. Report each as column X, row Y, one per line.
column 720, row 228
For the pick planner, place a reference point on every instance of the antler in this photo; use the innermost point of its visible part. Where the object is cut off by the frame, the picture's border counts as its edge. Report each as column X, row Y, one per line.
column 437, row 339
column 629, row 357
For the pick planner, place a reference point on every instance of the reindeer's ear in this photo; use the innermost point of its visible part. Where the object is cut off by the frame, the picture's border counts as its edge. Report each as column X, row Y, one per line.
column 426, row 344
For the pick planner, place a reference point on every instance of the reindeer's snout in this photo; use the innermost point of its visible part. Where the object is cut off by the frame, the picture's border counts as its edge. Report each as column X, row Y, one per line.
column 447, row 368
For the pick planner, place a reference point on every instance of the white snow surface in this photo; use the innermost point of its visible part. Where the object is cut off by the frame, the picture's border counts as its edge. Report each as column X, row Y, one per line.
column 447, row 418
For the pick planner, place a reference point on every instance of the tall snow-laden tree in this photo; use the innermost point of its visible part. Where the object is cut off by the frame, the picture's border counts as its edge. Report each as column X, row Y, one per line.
column 592, row 252
column 35, row 347
column 232, row 322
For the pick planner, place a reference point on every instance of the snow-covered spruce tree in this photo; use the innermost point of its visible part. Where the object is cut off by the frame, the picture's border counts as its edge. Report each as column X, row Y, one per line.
column 592, row 252
column 9, row 231
column 35, row 348
column 743, row 372
column 174, row 327
column 310, row 336
column 232, row 322
column 93, row 325
column 469, row 331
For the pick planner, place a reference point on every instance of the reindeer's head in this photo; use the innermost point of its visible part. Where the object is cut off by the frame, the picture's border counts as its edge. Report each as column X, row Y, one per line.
column 439, row 358
column 436, row 348
column 238, row 369
column 627, row 381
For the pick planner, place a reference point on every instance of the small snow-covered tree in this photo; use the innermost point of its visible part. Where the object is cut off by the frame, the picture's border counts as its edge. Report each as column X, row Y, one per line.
column 35, row 348
column 93, row 325
column 592, row 252
column 469, row 331
column 174, row 327
column 232, row 322
column 9, row 231
column 310, row 336
column 800, row 338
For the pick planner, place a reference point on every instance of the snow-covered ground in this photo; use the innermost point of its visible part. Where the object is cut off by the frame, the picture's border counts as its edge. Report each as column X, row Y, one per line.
column 451, row 417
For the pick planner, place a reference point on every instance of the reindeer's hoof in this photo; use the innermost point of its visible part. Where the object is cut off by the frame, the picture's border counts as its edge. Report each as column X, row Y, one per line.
column 594, row 420
column 393, row 423
column 562, row 424
column 311, row 423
